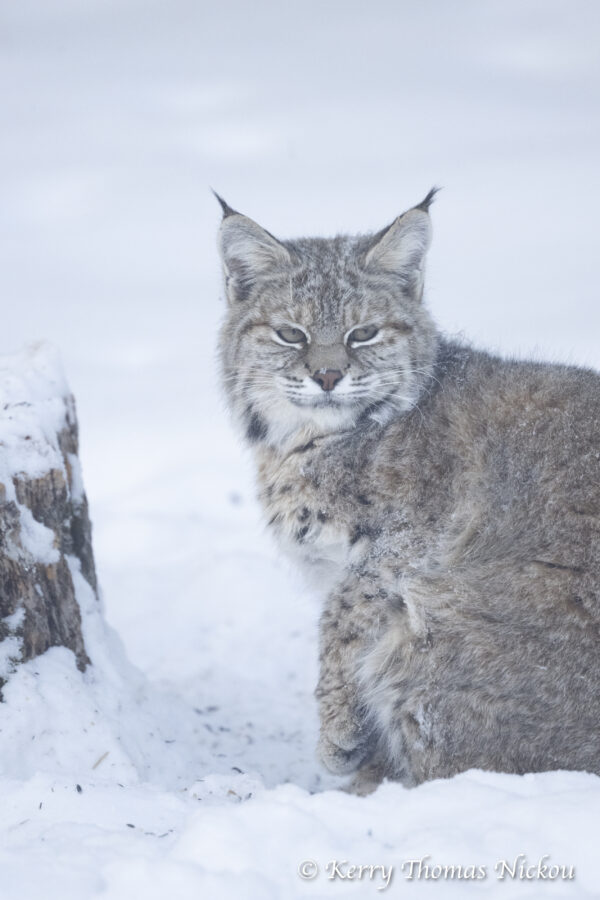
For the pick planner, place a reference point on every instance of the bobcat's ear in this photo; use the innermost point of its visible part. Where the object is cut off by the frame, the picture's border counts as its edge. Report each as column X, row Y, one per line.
column 401, row 247
column 248, row 252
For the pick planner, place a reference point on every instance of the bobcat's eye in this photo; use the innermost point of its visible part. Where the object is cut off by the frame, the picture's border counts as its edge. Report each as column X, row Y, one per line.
column 291, row 335
column 362, row 335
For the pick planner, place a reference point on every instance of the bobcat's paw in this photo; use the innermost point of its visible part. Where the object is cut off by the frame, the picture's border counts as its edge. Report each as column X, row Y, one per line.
column 338, row 760
column 368, row 777
column 343, row 743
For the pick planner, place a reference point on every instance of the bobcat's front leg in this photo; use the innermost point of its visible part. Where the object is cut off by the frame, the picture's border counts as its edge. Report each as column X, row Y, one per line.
column 350, row 622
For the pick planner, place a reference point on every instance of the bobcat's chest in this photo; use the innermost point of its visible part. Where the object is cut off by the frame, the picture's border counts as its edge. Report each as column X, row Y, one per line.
column 306, row 520
column 311, row 537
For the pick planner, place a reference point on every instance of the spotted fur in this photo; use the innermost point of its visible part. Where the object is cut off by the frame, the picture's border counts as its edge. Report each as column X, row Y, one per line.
column 446, row 501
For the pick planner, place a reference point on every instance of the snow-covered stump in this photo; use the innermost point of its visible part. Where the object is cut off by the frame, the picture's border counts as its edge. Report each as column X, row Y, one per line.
column 45, row 532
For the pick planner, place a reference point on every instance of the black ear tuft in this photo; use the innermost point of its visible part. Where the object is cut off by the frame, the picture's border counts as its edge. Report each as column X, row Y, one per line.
column 426, row 203
column 227, row 210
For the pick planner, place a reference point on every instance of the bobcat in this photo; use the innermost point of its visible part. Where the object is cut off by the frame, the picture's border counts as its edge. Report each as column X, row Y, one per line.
column 446, row 501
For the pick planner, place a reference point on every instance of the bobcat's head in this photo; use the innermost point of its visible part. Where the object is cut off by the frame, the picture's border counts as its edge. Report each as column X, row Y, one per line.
column 324, row 334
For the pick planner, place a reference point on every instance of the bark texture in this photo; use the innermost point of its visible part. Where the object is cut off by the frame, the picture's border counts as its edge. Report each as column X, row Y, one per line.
column 38, row 604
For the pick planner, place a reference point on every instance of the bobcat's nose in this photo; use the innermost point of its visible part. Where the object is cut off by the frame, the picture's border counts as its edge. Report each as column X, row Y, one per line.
column 327, row 378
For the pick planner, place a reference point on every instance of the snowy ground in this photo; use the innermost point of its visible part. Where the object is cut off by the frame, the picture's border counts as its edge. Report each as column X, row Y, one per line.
column 194, row 759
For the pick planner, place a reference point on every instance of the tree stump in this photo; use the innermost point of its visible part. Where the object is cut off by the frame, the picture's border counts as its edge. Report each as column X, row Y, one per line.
column 45, row 532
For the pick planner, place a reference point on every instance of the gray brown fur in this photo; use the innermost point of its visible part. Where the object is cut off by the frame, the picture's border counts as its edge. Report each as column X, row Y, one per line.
column 448, row 500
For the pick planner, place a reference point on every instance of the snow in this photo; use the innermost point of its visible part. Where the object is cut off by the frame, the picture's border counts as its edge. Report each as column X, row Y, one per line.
column 32, row 411
column 196, row 723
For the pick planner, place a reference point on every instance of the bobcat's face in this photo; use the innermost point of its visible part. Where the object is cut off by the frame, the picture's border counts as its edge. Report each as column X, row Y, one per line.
column 324, row 333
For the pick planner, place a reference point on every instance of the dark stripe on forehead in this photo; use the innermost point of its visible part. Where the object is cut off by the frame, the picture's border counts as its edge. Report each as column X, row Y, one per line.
column 327, row 284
